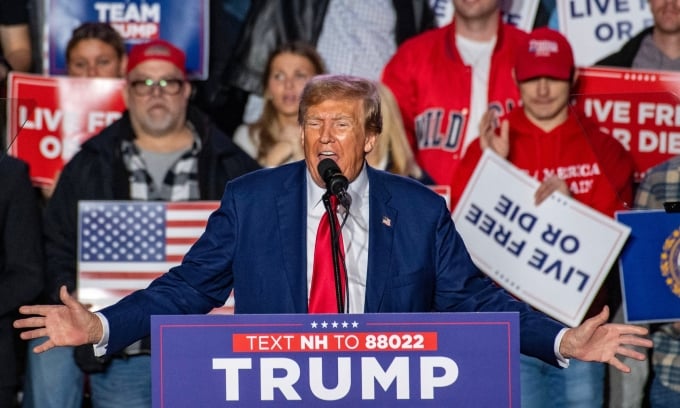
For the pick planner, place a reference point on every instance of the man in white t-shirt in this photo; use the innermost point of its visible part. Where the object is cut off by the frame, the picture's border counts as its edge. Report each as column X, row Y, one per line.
column 445, row 79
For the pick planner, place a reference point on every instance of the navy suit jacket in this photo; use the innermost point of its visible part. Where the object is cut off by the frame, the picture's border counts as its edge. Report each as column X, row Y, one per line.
column 255, row 243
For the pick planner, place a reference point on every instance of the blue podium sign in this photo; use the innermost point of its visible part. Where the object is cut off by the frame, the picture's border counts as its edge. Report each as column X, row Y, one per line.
column 367, row 360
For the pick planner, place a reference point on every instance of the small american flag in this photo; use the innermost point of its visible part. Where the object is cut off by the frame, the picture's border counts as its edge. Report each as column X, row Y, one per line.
column 124, row 245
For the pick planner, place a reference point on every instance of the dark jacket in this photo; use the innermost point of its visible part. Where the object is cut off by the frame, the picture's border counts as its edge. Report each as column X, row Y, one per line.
column 416, row 264
column 21, row 256
column 624, row 57
column 97, row 172
column 273, row 22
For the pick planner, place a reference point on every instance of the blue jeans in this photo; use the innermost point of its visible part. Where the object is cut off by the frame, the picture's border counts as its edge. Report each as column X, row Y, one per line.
column 54, row 380
column 579, row 386
column 661, row 396
column 125, row 383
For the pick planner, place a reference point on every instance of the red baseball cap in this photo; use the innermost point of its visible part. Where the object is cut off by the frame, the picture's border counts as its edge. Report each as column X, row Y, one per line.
column 547, row 53
column 156, row 50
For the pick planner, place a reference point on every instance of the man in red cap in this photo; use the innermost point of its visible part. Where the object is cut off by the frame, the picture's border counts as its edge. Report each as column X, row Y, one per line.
column 568, row 154
column 161, row 149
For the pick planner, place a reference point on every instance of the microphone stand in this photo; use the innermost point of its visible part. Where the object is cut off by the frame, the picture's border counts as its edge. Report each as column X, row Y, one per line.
column 335, row 249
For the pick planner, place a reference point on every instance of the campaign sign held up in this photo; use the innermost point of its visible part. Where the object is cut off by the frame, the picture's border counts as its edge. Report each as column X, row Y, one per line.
column 184, row 24
column 640, row 109
column 366, row 360
column 650, row 267
column 603, row 25
column 553, row 256
column 48, row 118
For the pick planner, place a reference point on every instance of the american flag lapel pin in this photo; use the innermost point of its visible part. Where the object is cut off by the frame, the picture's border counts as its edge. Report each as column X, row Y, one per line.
column 386, row 221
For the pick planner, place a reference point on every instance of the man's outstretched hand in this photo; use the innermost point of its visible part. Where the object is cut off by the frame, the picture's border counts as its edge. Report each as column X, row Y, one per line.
column 70, row 324
column 597, row 340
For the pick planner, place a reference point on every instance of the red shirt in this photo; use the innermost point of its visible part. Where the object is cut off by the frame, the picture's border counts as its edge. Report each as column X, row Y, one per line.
column 595, row 166
column 433, row 88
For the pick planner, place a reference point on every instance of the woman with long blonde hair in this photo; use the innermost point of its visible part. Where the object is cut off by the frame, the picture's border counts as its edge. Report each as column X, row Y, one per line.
column 274, row 139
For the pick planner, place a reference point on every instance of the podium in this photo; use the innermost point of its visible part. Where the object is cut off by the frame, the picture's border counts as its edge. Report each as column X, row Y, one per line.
column 332, row 360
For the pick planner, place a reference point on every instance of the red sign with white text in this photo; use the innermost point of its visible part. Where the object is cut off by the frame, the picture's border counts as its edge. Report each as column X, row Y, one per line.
column 359, row 341
column 641, row 109
column 50, row 117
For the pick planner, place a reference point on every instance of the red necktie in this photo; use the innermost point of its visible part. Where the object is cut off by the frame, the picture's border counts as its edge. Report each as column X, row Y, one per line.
column 322, row 298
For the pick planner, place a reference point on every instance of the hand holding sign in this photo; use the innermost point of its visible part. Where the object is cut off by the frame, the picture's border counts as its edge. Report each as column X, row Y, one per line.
column 549, row 186
column 551, row 256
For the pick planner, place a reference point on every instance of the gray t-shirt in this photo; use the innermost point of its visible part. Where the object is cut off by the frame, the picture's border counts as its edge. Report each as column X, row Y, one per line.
column 649, row 56
column 158, row 165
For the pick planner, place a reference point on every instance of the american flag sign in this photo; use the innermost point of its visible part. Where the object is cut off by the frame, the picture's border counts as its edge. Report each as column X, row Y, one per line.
column 124, row 245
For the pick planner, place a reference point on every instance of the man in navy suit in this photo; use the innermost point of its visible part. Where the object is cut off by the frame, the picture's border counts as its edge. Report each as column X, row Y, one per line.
column 402, row 251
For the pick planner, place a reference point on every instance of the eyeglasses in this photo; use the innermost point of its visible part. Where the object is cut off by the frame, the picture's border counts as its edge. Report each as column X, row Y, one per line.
column 144, row 87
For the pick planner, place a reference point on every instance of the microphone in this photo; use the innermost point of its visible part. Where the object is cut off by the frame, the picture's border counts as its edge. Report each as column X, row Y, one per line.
column 336, row 182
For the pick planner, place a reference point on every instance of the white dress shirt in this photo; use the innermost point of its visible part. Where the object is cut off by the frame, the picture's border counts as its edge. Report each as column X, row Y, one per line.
column 354, row 236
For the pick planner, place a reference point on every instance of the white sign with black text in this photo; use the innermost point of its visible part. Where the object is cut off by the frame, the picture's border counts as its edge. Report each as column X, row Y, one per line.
column 596, row 29
column 553, row 256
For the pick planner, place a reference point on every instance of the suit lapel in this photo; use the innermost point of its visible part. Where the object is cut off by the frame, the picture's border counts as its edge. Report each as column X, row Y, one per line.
column 291, row 205
column 383, row 220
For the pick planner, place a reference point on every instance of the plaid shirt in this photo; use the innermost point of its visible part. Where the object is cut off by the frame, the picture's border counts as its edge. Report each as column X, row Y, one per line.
column 179, row 184
column 661, row 184
column 358, row 37
column 666, row 356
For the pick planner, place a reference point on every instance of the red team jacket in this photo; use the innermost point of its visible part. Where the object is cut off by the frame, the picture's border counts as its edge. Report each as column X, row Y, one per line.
column 433, row 88
column 596, row 167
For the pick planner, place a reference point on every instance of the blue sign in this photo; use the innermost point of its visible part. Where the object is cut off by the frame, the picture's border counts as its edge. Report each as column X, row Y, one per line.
column 367, row 360
column 184, row 24
column 650, row 272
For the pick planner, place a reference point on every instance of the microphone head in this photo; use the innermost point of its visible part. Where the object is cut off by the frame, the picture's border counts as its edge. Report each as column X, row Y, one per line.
column 336, row 182
column 327, row 168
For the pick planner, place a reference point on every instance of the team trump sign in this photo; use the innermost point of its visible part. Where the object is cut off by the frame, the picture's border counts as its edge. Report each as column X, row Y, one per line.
column 137, row 21
column 368, row 360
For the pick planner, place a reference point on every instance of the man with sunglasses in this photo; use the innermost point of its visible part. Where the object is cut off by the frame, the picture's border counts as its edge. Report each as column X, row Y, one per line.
column 160, row 149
